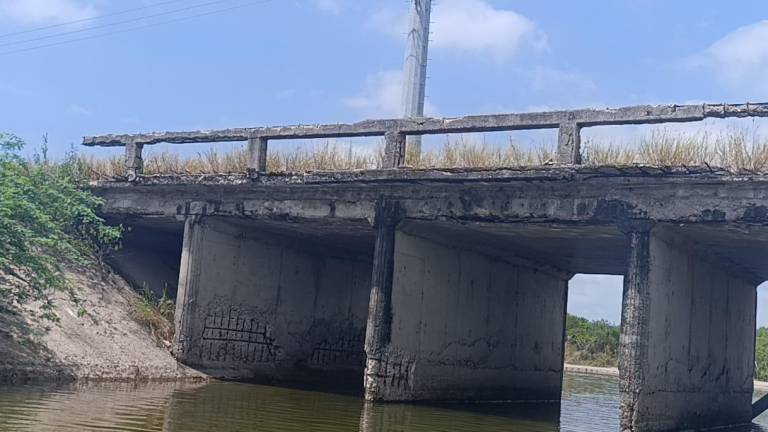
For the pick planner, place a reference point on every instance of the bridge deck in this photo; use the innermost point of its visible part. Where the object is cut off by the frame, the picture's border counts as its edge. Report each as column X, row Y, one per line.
column 570, row 217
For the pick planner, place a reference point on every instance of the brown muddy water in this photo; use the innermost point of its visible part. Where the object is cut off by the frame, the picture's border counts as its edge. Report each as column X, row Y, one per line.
column 590, row 403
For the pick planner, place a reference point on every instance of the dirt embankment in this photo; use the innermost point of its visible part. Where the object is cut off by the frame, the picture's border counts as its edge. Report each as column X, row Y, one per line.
column 101, row 341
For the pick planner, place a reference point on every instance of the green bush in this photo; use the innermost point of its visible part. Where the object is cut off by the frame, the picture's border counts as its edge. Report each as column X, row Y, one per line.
column 761, row 354
column 47, row 220
column 593, row 343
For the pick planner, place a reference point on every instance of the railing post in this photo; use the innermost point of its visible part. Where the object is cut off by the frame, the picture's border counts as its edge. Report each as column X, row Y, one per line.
column 257, row 156
column 134, row 165
column 394, row 149
column 569, row 143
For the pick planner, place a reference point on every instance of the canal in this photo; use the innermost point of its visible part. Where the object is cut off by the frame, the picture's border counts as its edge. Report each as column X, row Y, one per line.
column 590, row 403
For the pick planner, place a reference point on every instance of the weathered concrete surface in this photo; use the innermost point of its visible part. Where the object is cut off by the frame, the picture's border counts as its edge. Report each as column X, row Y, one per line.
column 687, row 343
column 576, row 209
column 255, row 304
column 468, row 326
column 643, row 114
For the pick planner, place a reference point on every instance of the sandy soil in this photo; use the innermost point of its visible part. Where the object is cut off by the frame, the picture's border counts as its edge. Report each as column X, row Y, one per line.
column 106, row 343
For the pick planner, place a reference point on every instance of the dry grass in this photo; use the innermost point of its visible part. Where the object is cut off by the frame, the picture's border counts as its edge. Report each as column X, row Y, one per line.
column 465, row 153
column 324, row 157
column 737, row 149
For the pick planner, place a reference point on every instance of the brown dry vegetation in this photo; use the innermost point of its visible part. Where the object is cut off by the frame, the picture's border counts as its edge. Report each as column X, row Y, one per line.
column 736, row 150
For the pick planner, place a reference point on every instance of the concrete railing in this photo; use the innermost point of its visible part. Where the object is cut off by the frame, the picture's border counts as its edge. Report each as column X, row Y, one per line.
column 394, row 131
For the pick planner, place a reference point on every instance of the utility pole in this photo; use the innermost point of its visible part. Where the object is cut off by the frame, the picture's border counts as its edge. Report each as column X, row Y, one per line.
column 415, row 70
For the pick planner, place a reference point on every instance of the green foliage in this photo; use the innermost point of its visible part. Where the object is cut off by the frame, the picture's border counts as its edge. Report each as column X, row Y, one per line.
column 47, row 220
column 761, row 354
column 156, row 314
column 593, row 343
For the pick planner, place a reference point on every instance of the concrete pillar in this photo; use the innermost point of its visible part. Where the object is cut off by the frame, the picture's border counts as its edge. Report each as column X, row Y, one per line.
column 379, row 328
column 456, row 324
column 569, row 143
column 687, row 342
column 186, row 292
column 253, row 305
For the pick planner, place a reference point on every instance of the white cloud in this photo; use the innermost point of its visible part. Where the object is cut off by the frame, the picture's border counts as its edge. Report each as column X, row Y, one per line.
column 329, row 6
column 740, row 58
column 544, row 78
column 46, row 11
column 381, row 97
column 470, row 26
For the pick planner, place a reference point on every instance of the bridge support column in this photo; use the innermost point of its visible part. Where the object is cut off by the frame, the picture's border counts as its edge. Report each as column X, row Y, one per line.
column 454, row 324
column 254, row 305
column 687, row 342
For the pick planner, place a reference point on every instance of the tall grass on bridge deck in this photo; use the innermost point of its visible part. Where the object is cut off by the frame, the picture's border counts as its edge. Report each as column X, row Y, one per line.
column 736, row 149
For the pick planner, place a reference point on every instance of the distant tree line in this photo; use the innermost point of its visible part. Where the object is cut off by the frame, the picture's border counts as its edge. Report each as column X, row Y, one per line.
column 591, row 343
column 761, row 354
column 596, row 343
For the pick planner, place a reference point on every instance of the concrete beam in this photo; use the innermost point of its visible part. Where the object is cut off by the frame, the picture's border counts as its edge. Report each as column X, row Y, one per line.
column 644, row 114
column 687, row 337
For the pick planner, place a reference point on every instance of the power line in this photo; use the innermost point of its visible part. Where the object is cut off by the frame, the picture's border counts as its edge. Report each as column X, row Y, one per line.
column 4, row 53
column 96, row 27
column 123, row 12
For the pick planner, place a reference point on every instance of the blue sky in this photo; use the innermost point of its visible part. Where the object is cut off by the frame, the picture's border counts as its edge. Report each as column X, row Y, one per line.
column 204, row 64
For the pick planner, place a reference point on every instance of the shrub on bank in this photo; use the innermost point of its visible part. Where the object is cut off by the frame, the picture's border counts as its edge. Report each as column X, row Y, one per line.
column 591, row 343
column 761, row 354
column 47, row 219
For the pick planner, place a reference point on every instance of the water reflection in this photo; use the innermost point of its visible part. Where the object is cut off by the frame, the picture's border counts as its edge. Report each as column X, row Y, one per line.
column 589, row 404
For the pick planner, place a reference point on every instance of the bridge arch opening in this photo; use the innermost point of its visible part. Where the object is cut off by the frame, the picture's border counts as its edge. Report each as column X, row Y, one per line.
column 594, row 319
column 149, row 255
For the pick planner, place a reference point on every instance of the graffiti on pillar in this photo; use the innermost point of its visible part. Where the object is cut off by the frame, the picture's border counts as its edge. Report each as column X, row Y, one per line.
column 234, row 336
column 394, row 371
column 340, row 349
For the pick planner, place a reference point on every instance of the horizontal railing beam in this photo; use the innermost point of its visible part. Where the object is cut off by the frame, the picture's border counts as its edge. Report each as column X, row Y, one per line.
column 224, row 135
column 645, row 114
column 395, row 131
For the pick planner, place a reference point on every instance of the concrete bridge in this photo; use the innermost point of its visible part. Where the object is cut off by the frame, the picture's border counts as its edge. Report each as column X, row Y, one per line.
column 452, row 284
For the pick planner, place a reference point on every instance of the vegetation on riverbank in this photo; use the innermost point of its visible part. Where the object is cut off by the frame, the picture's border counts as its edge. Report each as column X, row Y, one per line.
column 596, row 343
column 737, row 149
column 156, row 314
column 591, row 343
column 64, row 314
column 761, row 354
column 46, row 220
